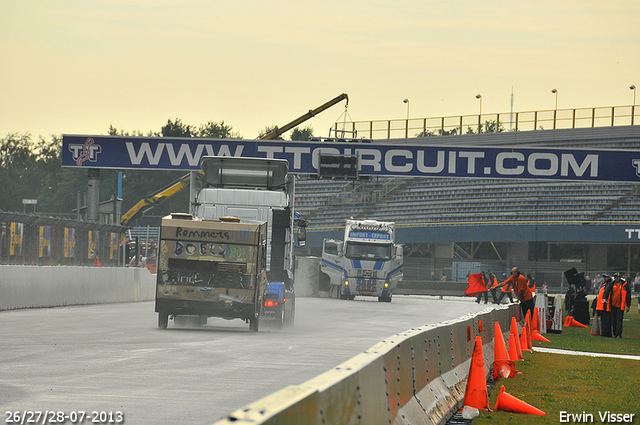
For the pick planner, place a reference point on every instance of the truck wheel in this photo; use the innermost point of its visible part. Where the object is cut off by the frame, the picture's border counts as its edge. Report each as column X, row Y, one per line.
column 384, row 299
column 288, row 320
column 163, row 320
column 254, row 324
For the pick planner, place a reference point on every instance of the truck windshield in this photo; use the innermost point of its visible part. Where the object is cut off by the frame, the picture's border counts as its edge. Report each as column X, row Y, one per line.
column 368, row 251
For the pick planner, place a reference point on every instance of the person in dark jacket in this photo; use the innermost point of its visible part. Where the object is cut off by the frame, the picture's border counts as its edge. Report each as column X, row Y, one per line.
column 619, row 299
column 486, row 285
column 603, row 308
column 493, row 281
column 521, row 290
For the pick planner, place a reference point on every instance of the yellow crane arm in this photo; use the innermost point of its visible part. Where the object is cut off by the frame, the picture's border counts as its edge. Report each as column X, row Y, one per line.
column 156, row 198
column 313, row 112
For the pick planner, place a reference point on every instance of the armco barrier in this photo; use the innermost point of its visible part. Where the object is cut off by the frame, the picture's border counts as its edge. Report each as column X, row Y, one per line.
column 415, row 377
column 54, row 286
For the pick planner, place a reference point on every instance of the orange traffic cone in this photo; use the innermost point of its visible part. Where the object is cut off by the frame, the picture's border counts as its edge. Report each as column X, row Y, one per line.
column 503, row 366
column 524, row 342
column 514, row 332
column 527, row 322
column 503, row 369
column 500, row 348
column 514, row 354
column 535, row 321
column 595, row 326
column 476, row 394
column 537, row 336
column 571, row 322
column 509, row 403
column 568, row 320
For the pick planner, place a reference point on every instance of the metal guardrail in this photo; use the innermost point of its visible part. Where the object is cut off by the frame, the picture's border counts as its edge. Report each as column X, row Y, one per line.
column 29, row 239
column 144, row 234
column 606, row 116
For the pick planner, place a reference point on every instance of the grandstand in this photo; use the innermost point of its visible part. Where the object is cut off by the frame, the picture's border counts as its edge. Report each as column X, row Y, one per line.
column 419, row 201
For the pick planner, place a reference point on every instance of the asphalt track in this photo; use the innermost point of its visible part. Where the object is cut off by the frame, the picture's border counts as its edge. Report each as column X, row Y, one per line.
column 112, row 357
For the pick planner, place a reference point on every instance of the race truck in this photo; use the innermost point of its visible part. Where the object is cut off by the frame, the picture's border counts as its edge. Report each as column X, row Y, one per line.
column 255, row 189
column 211, row 268
column 367, row 262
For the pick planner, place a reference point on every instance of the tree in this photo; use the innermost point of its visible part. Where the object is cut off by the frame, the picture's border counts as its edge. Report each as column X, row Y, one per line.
column 438, row 132
column 267, row 129
column 32, row 169
column 135, row 133
column 214, row 130
column 176, row 129
column 302, row 133
column 489, row 126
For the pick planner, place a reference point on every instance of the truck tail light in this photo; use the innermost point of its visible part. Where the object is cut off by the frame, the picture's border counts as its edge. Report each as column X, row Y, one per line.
column 270, row 303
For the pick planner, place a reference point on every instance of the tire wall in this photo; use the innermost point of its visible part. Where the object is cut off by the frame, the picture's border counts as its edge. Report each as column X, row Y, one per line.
column 418, row 376
column 54, row 286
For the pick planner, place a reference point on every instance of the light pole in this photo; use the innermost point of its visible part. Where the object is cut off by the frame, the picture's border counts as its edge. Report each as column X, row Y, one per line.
column 479, row 97
column 633, row 107
column 555, row 111
column 406, row 128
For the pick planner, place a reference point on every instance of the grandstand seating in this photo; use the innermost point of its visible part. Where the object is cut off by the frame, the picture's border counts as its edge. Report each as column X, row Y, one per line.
column 420, row 201
column 423, row 201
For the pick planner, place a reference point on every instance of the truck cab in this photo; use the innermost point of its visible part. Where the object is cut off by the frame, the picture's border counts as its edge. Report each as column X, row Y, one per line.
column 255, row 189
column 366, row 262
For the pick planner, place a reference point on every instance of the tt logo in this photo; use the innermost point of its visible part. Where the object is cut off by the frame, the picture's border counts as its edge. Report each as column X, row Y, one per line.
column 87, row 151
column 630, row 232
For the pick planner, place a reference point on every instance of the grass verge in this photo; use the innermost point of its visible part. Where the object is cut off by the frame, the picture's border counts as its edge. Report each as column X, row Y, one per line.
column 556, row 383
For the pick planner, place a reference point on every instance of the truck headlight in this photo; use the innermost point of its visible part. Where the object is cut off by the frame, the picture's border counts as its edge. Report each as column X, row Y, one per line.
column 386, row 284
column 346, row 282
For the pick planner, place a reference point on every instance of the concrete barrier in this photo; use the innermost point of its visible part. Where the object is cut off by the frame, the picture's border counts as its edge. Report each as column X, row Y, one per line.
column 418, row 376
column 307, row 276
column 55, row 286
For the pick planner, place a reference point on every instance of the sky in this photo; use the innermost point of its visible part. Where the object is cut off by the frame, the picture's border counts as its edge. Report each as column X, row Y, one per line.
column 81, row 66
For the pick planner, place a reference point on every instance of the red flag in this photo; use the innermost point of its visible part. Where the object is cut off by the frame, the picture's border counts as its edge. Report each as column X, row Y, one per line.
column 476, row 285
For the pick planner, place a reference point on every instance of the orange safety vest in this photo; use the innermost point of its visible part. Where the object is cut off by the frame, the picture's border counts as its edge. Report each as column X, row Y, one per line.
column 599, row 303
column 520, row 287
column 495, row 282
column 619, row 295
column 533, row 288
column 506, row 288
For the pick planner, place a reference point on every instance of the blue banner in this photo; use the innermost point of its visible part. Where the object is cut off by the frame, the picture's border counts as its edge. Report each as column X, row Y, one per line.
column 150, row 153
